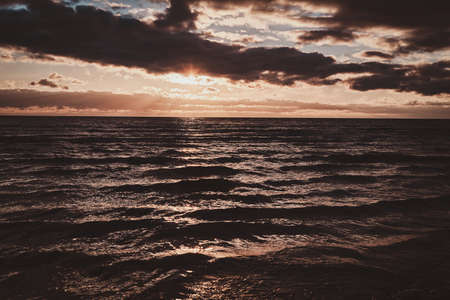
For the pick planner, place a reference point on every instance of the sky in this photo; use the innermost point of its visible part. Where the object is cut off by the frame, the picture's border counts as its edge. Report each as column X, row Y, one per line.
column 226, row 58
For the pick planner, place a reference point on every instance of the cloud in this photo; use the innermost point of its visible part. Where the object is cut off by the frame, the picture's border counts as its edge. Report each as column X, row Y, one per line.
column 118, row 5
column 100, row 37
column 65, row 79
column 55, row 76
column 426, row 25
column 428, row 103
column 97, row 36
column 427, row 79
column 55, row 80
column 377, row 54
column 178, row 16
column 21, row 55
column 46, row 83
column 6, row 56
column 98, row 103
column 336, row 34
column 421, row 40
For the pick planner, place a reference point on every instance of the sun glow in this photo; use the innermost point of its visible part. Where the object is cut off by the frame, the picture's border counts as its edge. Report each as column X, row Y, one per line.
column 190, row 79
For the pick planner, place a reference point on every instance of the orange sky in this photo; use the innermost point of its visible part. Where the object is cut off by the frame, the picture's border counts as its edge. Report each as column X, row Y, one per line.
column 227, row 59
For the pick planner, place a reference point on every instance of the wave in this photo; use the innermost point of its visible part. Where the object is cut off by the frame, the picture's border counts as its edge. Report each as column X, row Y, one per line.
column 70, row 230
column 232, row 230
column 62, row 258
column 166, row 276
column 38, row 274
column 132, row 160
column 415, row 269
column 192, row 172
column 135, row 211
column 345, row 179
column 231, row 159
column 321, row 212
column 39, row 213
column 357, row 179
column 323, row 168
column 30, row 198
column 335, row 179
column 279, row 183
column 253, row 198
column 62, row 171
column 425, row 169
column 363, row 159
column 385, row 157
column 335, row 193
column 172, row 153
column 184, row 261
column 183, row 186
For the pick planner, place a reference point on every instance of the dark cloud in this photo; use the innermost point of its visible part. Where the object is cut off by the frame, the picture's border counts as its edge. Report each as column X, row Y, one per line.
column 377, row 54
column 178, row 16
column 97, row 36
column 427, row 79
column 4, row 3
column 427, row 25
column 337, row 34
column 422, row 41
column 93, row 35
column 406, row 14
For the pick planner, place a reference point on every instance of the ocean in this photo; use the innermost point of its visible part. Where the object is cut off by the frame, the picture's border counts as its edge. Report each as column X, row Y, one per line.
column 224, row 208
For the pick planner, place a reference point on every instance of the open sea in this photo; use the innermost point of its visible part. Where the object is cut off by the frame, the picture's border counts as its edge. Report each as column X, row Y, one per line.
column 166, row 208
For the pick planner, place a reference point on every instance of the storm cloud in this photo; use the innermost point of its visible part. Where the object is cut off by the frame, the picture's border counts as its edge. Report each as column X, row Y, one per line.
column 178, row 16
column 427, row 79
column 426, row 25
column 97, row 36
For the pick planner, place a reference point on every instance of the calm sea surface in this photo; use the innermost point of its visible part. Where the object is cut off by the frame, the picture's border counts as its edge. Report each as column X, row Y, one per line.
column 155, row 208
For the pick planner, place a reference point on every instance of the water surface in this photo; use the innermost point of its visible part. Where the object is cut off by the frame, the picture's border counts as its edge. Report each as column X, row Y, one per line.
column 224, row 208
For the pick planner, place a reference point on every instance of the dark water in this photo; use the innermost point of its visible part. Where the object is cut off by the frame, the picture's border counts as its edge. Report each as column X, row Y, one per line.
column 224, row 208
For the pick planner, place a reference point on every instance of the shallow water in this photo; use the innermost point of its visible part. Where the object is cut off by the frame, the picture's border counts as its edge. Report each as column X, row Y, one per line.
column 224, row 208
